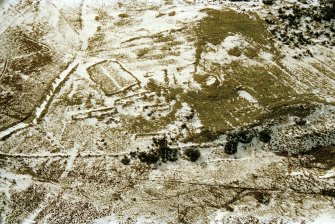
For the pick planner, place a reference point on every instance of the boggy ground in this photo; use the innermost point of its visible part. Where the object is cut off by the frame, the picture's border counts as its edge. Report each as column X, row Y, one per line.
column 169, row 112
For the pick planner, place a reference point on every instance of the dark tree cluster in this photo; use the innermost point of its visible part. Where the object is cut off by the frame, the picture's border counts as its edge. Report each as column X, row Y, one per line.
column 262, row 197
column 231, row 147
column 265, row 136
column 125, row 160
column 193, row 154
column 164, row 151
column 268, row 2
column 327, row 9
column 149, row 158
column 245, row 137
column 299, row 25
column 161, row 152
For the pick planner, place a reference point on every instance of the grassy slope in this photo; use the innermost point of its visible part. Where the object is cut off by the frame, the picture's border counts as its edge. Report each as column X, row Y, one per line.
column 219, row 107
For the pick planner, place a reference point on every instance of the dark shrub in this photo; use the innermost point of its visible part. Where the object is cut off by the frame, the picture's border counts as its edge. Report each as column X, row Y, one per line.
column 245, row 136
column 168, row 154
column 192, row 154
column 300, row 121
column 164, row 151
column 125, row 160
column 265, row 136
column 268, row 2
column 231, row 147
column 148, row 157
column 263, row 197
column 327, row 9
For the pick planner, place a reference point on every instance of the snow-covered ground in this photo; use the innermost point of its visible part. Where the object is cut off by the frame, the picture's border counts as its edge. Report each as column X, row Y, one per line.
column 165, row 111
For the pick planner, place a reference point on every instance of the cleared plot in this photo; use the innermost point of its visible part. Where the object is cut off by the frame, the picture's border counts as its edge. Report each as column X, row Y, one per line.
column 112, row 77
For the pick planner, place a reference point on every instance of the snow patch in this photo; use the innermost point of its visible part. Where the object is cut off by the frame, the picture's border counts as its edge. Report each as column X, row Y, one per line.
column 247, row 96
column 325, row 218
column 12, row 129
column 21, row 182
column 210, row 81
column 329, row 174
column 231, row 42
column 73, row 154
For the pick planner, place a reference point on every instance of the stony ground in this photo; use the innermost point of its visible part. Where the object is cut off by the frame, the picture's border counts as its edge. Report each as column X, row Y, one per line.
column 166, row 112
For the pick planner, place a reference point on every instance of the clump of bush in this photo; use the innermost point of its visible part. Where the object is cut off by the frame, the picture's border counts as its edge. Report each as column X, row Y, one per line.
column 244, row 136
column 262, row 197
column 268, row 2
column 148, row 157
column 162, row 152
column 265, row 136
column 231, row 147
column 327, row 8
column 125, row 160
column 193, row 154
